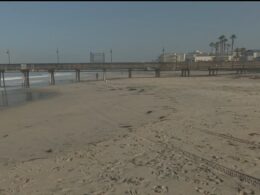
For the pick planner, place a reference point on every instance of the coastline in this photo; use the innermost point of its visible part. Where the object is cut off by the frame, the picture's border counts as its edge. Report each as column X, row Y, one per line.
column 120, row 137
column 17, row 97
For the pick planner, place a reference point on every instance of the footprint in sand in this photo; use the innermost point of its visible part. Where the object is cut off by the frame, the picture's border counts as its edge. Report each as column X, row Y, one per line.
column 131, row 89
column 49, row 150
column 253, row 134
column 149, row 112
column 128, row 127
column 141, row 90
column 135, row 181
column 131, row 192
column 125, row 126
column 160, row 189
column 245, row 191
column 162, row 117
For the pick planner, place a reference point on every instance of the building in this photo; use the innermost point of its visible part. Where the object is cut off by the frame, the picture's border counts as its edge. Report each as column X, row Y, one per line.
column 172, row 57
column 252, row 55
column 198, row 56
column 181, row 57
column 224, row 58
column 239, row 54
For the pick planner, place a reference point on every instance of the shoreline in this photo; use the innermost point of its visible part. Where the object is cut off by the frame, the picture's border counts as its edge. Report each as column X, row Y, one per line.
column 18, row 97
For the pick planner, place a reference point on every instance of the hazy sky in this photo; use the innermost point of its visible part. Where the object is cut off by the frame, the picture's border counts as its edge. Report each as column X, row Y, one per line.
column 136, row 31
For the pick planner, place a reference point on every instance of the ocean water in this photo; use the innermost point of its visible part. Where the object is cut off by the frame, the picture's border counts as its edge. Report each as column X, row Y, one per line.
column 13, row 94
column 41, row 79
column 37, row 79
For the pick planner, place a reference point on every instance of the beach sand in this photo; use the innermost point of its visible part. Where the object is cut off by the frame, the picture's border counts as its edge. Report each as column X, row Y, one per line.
column 179, row 135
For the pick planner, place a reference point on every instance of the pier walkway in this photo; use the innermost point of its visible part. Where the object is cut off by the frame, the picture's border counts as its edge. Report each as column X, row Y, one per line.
column 185, row 68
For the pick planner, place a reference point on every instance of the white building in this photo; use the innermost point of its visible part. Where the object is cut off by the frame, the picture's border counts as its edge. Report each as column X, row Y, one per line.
column 252, row 54
column 181, row 57
column 172, row 57
column 224, row 58
column 199, row 56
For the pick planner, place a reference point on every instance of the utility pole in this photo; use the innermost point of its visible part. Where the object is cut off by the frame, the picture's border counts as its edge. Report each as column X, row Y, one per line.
column 58, row 57
column 111, row 54
column 163, row 54
column 176, row 59
column 8, row 53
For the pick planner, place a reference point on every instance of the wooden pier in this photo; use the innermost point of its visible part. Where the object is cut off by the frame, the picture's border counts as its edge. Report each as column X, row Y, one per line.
column 51, row 76
column 185, row 69
column 26, row 81
column 2, row 78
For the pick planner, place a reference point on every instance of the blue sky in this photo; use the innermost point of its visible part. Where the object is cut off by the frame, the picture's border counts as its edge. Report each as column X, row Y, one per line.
column 136, row 31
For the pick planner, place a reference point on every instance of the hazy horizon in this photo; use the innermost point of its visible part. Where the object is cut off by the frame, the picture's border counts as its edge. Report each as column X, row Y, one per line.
column 135, row 31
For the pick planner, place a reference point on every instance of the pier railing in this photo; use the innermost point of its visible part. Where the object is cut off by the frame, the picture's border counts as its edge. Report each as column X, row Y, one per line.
column 132, row 65
column 184, row 67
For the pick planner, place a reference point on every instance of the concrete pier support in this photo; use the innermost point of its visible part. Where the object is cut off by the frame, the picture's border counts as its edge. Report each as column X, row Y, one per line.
column 96, row 76
column 26, row 80
column 213, row 71
column 4, row 98
column 241, row 71
column 2, row 77
column 130, row 73
column 104, row 74
column 51, row 77
column 157, row 72
column 185, row 72
column 77, row 75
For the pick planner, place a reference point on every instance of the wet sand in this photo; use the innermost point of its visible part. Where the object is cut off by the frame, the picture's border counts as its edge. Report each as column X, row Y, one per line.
column 17, row 97
column 197, row 135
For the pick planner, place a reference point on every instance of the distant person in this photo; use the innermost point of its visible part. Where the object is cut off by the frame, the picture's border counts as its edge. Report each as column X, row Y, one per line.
column 96, row 76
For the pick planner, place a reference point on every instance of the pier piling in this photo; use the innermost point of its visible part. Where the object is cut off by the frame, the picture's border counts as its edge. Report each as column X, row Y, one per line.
column 26, row 80
column 213, row 71
column 51, row 77
column 77, row 75
column 185, row 72
column 157, row 72
column 130, row 73
column 2, row 77
column 104, row 74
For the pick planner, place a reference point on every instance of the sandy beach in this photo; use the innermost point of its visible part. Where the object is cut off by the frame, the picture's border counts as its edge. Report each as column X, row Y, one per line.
column 139, row 136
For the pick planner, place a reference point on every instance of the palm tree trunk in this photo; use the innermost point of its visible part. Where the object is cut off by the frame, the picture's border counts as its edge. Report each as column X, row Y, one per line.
column 223, row 48
column 222, row 43
column 232, row 46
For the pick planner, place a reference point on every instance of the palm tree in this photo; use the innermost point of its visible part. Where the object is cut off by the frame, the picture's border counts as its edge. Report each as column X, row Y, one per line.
column 217, row 47
column 243, row 51
column 212, row 45
column 233, row 37
column 220, row 41
column 222, row 38
column 228, row 46
column 224, row 44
